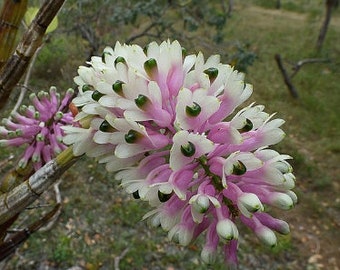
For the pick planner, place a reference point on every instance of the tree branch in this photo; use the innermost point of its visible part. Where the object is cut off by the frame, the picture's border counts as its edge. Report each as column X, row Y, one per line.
column 31, row 41
column 17, row 199
column 302, row 62
column 286, row 77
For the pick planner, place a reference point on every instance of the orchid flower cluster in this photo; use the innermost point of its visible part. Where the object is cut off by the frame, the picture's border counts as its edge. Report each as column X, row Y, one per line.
column 39, row 126
column 166, row 123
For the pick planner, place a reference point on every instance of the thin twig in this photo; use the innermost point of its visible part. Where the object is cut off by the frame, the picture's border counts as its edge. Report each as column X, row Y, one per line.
column 302, row 62
column 55, row 217
column 286, row 77
column 118, row 258
column 24, row 86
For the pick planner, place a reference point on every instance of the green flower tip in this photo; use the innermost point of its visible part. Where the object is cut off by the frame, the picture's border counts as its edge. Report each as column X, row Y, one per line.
column 194, row 110
column 212, row 73
column 188, row 150
column 18, row 132
column 239, row 168
column 32, row 96
column 117, row 87
column 70, row 91
column 40, row 137
column 58, row 115
column 247, row 127
column 136, row 195
column 141, row 100
column 53, row 89
column 150, row 66
column 87, row 87
column 42, row 94
column 163, row 197
column 132, row 136
column 104, row 55
column 36, row 115
column 184, row 52
column 106, row 127
column 35, row 158
column 96, row 95
column 12, row 134
column 120, row 59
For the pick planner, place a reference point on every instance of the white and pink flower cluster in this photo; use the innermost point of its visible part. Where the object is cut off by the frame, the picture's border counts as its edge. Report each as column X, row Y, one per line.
column 39, row 127
column 166, row 124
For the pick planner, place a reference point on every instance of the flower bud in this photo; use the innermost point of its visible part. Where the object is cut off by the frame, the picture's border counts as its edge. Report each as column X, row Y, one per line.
column 249, row 203
column 208, row 255
column 282, row 201
column 267, row 236
column 293, row 196
column 201, row 204
column 226, row 229
column 181, row 235
column 283, row 166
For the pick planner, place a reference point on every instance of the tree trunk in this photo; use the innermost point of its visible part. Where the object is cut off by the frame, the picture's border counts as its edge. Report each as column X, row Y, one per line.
column 330, row 4
column 230, row 7
column 278, row 4
column 11, row 15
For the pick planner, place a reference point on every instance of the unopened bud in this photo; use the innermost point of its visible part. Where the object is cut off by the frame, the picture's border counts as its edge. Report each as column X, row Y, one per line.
column 226, row 229
column 201, row 204
column 282, row 201
column 267, row 236
column 208, row 256
column 250, row 202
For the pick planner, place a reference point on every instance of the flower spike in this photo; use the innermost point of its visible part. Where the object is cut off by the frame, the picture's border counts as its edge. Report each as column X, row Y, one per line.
column 164, row 121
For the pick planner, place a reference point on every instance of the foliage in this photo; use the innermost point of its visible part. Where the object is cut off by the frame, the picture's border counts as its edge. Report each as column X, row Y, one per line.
column 102, row 23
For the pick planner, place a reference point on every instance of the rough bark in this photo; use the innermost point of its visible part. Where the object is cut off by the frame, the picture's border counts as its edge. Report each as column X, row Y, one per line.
column 11, row 15
column 17, row 64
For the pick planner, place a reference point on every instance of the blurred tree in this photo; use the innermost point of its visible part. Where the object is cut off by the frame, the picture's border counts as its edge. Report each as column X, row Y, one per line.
column 278, row 4
column 196, row 24
column 330, row 5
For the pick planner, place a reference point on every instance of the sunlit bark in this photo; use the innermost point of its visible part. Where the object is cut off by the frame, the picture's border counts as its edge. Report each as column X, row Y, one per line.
column 17, row 64
column 11, row 15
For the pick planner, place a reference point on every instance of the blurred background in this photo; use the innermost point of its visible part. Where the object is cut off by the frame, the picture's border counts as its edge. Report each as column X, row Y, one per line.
column 100, row 226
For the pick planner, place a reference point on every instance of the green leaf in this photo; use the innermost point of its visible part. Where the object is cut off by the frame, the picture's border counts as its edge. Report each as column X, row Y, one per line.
column 30, row 14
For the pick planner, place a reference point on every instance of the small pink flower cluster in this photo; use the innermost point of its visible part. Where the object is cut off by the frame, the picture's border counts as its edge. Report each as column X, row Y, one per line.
column 166, row 124
column 38, row 126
